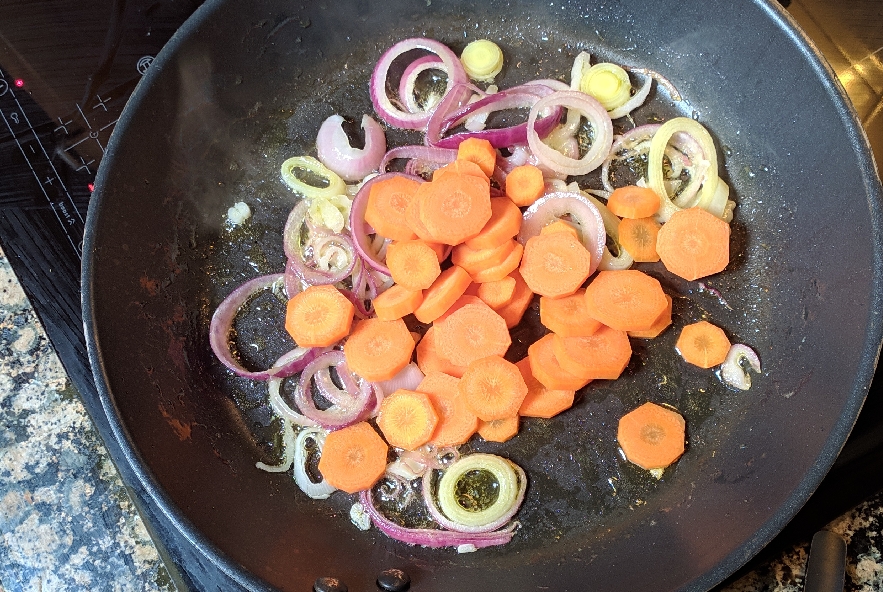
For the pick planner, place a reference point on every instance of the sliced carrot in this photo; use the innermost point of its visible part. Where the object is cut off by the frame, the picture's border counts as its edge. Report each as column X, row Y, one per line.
column 560, row 225
column 499, row 430
column 388, row 201
column 652, row 436
column 412, row 215
column 703, row 344
column 498, row 293
column 633, row 201
column 540, row 401
column 567, row 316
column 412, row 264
column 441, row 250
column 638, row 237
column 625, row 299
column 474, row 260
column 492, row 388
column 461, row 167
column 377, row 350
column 353, row 458
column 443, row 292
column 396, row 302
column 407, row 419
column 458, row 304
column 546, row 368
column 694, row 244
column 602, row 355
column 471, row 333
column 456, row 423
column 504, row 223
column 429, row 360
column 498, row 272
column 319, row 316
column 525, row 184
column 480, row 152
column 521, row 299
column 555, row 265
column 659, row 325
column 455, row 208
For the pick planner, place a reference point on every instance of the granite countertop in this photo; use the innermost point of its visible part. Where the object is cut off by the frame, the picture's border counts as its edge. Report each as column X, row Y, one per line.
column 67, row 522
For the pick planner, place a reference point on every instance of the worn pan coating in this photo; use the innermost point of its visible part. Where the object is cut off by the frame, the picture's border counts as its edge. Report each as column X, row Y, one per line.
column 244, row 85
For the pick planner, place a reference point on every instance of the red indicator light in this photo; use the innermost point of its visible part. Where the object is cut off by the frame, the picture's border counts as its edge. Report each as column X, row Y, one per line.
column 91, row 187
column 19, row 82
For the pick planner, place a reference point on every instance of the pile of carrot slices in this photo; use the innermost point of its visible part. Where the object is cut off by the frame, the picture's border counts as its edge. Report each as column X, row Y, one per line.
column 457, row 267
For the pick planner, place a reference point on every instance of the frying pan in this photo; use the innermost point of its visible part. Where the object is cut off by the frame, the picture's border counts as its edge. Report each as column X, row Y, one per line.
column 242, row 86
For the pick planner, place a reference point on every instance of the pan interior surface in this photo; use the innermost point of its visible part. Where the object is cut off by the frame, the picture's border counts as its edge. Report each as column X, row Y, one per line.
column 243, row 86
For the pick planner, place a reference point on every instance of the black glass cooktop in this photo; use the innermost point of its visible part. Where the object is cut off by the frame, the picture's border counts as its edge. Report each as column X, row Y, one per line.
column 67, row 68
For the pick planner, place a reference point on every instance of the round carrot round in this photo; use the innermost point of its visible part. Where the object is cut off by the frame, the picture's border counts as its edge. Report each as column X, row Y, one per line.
column 412, row 264
column 499, row 430
column 388, row 201
column 492, row 388
column 633, row 201
column 540, row 401
column 694, row 244
column 407, row 419
column 455, row 208
column 652, row 436
column 353, row 458
column 626, row 299
column 525, row 184
column 555, row 264
column 638, row 237
column 479, row 151
column 396, row 302
column 568, row 316
column 703, row 344
column 456, row 423
column 377, row 350
column 505, row 222
column 601, row 355
column 470, row 333
column 319, row 316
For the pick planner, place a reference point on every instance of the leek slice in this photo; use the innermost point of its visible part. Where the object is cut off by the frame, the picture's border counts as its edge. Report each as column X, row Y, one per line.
column 335, row 185
column 608, row 83
column 507, row 492
column 482, row 60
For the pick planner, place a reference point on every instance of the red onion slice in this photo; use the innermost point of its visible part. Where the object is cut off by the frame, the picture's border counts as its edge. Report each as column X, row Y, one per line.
column 427, row 537
column 409, row 79
column 335, row 152
column 582, row 212
column 222, row 323
column 435, row 157
column 382, row 103
column 408, row 378
column 592, row 110
column 359, row 228
column 291, row 244
column 352, row 406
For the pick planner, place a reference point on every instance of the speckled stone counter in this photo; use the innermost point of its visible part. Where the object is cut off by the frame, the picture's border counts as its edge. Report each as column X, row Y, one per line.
column 67, row 523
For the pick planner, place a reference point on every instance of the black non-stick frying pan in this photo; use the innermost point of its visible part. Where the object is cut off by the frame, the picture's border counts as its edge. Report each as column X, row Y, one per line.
column 244, row 85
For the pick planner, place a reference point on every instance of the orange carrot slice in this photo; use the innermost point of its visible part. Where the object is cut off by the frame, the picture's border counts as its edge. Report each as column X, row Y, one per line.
column 377, row 350
column 703, row 344
column 480, row 152
column 567, row 316
column 560, row 225
column 525, row 184
column 455, row 208
column 353, row 458
column 498, row 272
column 492, row 388
column 638, row 237
column 540, row 401
column 474, row 260
column 412, row 264
column 498, row 293
column 504, row 223
column 547, row 370
column 319, row 316
column 443, row 292
column 627, row 299
column 407, row 419
column 461, row 167
column 633, row 201
column 499, row 430
column 456, row 423
column 513, row 312
column 659, row 325
column 470, row 333
column 396, row 302
column 429, row 360
column 555, row 264
column 602, row 355
column 387, row 202
column 652, row 436
column 694, row 244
